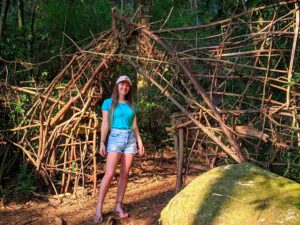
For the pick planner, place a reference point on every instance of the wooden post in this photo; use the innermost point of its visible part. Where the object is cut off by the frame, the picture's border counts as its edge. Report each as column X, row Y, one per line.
column 63, row 178
column 179, row 179
column 175, row 137
column 94, row 155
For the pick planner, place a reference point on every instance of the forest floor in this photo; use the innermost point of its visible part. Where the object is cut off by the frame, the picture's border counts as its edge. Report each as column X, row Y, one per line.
column 151, row 185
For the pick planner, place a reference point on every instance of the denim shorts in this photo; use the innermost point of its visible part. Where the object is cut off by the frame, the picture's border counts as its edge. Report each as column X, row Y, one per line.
column 122, row 141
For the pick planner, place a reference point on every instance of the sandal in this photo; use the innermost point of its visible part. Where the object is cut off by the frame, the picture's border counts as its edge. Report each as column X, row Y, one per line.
column 121, row 213
column 97, row 219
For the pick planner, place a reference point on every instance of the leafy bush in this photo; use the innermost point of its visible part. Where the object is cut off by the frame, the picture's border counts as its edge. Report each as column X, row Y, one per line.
column 24, row 179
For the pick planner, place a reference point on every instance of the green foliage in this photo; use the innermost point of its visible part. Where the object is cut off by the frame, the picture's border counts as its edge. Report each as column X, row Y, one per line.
column 73, row 167
column 187, row 14
column 256, row 3
column 24, row 178
column 153, row 116
column 179, row 16
column 293, row 81
column 290, row 158
column 78, row 19
column 19, row 108
column 44, row 74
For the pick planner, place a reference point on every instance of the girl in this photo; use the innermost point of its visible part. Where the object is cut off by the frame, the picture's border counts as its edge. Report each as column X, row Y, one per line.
column 118, row 113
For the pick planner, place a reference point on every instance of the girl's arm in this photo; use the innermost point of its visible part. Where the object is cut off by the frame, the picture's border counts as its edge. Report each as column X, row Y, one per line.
column 141, row 148
column 104, row 131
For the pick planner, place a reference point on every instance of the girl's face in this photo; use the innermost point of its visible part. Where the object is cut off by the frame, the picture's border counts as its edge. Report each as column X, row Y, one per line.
column 123, row 88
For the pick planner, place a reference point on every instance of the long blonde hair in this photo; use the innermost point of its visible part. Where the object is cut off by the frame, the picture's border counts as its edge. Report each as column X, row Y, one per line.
column 115, row 99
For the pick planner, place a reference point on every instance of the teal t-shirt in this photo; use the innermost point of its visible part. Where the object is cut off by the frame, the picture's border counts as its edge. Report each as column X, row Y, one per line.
column 123, row 114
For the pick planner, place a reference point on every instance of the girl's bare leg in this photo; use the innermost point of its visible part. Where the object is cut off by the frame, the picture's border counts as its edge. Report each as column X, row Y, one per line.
column 126, row 162
column 111, row 163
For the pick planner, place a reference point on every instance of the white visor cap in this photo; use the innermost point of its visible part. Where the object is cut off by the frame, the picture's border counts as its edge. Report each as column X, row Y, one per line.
column 124, row 78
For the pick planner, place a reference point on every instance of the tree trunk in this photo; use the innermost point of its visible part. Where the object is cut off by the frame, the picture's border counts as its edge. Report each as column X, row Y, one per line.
column 4, row 10
column 20, row 14
column 122, row 6
column 30, row 36
column 144, row 18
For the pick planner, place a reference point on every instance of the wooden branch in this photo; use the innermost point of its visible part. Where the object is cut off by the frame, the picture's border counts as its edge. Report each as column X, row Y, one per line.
column 249, row 130
column 291, row 66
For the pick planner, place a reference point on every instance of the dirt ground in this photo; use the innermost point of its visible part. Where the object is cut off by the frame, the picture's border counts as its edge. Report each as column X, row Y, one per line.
column 151, row 186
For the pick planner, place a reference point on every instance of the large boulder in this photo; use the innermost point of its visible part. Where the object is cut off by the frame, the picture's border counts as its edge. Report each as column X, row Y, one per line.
column 235, row 195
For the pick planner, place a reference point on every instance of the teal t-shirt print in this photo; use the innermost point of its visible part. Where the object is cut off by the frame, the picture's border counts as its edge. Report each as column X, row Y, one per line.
column 123, row 114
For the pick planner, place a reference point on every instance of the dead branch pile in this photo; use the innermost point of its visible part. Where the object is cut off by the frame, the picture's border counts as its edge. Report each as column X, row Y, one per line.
column 235, row 82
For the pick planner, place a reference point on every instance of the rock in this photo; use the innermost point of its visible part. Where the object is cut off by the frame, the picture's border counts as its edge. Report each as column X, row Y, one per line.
column 235, row 195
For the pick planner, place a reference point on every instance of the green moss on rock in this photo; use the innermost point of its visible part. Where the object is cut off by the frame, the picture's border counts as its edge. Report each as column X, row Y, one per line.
column 239, row 194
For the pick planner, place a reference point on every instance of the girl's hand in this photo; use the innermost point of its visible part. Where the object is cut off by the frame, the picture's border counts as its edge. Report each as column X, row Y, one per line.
column 141, row 149
column 102, row 149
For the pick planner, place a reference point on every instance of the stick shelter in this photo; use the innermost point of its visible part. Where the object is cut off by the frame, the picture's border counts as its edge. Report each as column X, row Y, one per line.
column 238, row 95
